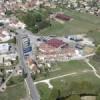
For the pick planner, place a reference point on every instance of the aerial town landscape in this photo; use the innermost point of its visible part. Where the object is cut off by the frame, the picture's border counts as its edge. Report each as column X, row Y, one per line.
column 49, row 49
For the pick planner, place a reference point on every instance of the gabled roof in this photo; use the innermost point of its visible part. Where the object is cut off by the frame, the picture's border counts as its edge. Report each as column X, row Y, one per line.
column 55, row 43
column 63, row 17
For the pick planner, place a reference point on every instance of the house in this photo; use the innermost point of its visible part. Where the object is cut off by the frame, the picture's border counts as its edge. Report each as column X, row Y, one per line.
column 4, row 36
column 60, row 17
column 5, row 59
column 9, row 71
column 4, row 48
column 87, row 41
column 4, row 20
column 17, row 24
column 32, row 65
column 76, row 38
column 88, row 97
column 7, row 54
column 2, row 13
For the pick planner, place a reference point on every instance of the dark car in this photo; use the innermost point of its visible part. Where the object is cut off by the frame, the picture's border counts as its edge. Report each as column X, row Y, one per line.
column 44, row 40
column 79, row 46
column 38, row 39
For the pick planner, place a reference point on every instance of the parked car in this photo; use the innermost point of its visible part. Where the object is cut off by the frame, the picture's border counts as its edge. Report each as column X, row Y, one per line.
column 38, row 39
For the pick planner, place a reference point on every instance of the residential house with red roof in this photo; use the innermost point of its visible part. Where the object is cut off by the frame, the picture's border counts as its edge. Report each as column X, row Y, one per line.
column 62, row 18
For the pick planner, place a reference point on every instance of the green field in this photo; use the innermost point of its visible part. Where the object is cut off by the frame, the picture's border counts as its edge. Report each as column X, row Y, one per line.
column 15, row 92
column 81, row 23
column 63, row 83
column 44, row 91
column 59, row 83
column 61, row 68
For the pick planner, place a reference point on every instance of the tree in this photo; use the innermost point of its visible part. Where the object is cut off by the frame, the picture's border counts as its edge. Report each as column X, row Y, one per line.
column 29, row 19
column 97, row 56
column 1, row 24
column 78, row 4
column 12, row 62
column 38, row 17
column 94, row 3
column 24, row 74
column 23, row 1
column 3, row 61
column 98, row 51
column 72, row 6
column 14, row 40
column 8, row 12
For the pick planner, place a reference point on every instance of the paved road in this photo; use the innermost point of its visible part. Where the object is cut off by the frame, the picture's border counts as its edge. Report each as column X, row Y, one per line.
column 30, row 85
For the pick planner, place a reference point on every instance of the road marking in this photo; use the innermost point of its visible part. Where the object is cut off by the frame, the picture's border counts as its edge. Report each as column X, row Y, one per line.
column 27, row 87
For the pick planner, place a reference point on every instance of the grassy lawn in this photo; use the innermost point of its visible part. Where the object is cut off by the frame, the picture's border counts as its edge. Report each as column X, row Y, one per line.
column 82, row 23
column 61, row 68
column 44, row 91
column 95, row 35
column 14, row 93
column 61, row 83
column 15, row 80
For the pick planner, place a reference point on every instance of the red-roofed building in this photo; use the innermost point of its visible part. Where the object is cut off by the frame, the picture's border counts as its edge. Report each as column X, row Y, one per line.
column 55, row 43
column 63, row 17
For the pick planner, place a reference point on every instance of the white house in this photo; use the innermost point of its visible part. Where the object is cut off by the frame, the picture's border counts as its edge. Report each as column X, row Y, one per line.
column 4, row 48
column 17, row 25
column 4, row 20
column 4, row 36
column 6, row 58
